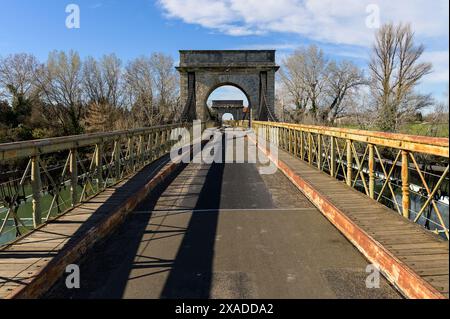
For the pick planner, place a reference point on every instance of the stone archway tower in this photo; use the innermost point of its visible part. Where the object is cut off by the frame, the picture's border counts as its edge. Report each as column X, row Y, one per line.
column 252, row 71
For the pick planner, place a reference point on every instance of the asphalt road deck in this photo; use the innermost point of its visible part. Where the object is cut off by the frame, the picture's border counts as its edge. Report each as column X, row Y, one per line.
column 225, row 231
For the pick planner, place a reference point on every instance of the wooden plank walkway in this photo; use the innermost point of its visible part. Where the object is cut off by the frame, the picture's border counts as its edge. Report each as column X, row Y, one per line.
column 31, row 265
column 425, row 254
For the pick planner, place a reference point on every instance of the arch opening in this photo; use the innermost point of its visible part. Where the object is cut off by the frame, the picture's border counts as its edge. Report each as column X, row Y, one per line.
column 227, row 117
column 228, row 99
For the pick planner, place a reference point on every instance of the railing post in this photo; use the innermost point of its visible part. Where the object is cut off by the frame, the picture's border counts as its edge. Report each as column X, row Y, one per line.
column 332, row 157
column 73, row 176
column 295, row 142
column 157, row 144
column 117, row 159
column 36, row 187
column 152, row 145
column 167, row 140
column 131, row 153
column 371, row 171
column 285, row 140
column 149, row 150
column 99, row 165
column 257, row 135
column 302, row 147
column 159, row 138
column 310, row 158
column 405, row 184
column 270, row 131
column 276, row 136
column 163, row 142
column 280, row 137
column 319, row 152
column 141, row 154
column 349, row 163
column 288, row 136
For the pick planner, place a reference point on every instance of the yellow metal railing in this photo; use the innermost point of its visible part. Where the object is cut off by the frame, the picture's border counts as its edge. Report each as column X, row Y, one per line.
column 407, row 173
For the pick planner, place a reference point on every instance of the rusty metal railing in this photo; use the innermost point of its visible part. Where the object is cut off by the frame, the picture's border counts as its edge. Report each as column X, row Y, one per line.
column 406, row 173
column 42, row 179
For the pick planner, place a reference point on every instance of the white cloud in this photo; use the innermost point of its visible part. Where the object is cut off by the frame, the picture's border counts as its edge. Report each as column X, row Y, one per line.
column 340, row 25
column 440, row 60
column 334, row 21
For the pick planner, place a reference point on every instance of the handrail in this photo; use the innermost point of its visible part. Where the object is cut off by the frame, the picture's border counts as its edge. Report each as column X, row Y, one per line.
column 15, row 150
column 420, row 144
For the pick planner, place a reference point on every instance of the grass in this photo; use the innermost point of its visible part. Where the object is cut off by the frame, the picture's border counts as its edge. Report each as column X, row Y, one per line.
column 440, row 130
column 422, row 129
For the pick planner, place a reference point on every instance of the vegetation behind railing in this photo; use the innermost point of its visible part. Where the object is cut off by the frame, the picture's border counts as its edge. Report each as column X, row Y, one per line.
column 42, row 179
column 406, row 173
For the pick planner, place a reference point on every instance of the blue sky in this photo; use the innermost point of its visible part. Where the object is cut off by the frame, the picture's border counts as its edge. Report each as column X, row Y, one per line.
column 138, row 27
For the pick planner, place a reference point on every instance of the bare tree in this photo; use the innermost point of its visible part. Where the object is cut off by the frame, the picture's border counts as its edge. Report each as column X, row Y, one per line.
column 359, row 112
column 17, row 85
column 139, row 91
column 102, row 80
column 112, row 73
column 166, row 85
column 293, row 86
column 70, row 96
column 152, row 89
column 304, row 77
column 318, row 86
column 395, row 72
column 93, row 81
column 313, row 75
column 343, row 81
column 60, row 85
column 17, row 74
column 103, row 87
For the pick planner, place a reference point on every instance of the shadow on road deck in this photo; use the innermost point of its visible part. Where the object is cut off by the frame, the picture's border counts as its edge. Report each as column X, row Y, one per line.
column 190, row 274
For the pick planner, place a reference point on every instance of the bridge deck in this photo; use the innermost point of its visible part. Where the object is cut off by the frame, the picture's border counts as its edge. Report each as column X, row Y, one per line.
column 224, row 231
column 426, row 254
